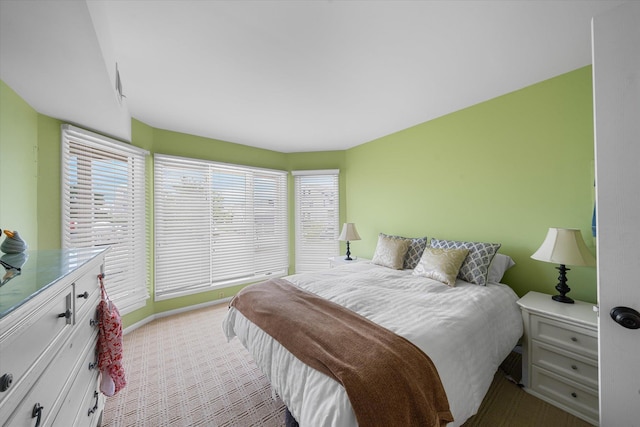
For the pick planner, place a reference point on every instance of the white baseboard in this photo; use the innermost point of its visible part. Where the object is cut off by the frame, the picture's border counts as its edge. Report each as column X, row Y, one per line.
column 155, row 316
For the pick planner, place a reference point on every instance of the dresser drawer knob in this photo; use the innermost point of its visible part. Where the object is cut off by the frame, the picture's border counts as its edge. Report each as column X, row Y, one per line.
column 66, row 314
column 573, row 394
column 93, row 322
column 5, row 382
column 574, row 367
column 93, row 365
column 37, row 413
column 574, row 339
column 85, row 295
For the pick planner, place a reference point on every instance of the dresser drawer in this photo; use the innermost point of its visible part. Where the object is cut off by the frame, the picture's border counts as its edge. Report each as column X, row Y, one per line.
column 91, row 407
column 88, row 317
column 79, row 400
column 571, row 337
column 573, row 396
column 570, row 365
column 87, row 290
column 29, row 346
column 58, row 376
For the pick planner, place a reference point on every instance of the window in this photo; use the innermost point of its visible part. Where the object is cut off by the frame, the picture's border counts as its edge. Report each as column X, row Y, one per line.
column 103, row 204
column 317, row 218
column 217, row 225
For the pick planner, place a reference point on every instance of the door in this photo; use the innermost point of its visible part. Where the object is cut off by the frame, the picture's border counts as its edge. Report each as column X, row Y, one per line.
column 616, row 82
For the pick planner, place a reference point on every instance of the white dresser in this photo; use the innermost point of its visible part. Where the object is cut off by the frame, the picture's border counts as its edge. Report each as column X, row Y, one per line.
column 560, row 354
column 48, row 336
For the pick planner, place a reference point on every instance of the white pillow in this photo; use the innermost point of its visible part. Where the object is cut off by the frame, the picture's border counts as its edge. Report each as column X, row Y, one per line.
column 499, row 265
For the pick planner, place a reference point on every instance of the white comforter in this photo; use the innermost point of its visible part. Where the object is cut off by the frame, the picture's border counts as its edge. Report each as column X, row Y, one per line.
column 467, row 331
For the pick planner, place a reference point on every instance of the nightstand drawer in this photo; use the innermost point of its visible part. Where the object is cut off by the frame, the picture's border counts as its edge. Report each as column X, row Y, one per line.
column 573, row 396
column 580, row 340
column 567, row 364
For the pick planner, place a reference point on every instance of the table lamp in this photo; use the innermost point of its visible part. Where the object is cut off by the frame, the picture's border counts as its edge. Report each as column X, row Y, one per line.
column 349, row 233
column 564, row 246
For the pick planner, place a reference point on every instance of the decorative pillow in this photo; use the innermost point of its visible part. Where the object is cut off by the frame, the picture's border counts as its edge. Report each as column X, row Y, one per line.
column 441, row 264
column 475, row 267
column 390, row 252
column 500, row 264
column 416, row 247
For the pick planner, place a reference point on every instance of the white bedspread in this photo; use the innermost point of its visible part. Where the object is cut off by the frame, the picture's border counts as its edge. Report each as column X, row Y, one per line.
column 467, row 331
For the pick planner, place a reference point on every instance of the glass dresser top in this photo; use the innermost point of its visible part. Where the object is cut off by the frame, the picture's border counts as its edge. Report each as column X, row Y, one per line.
column 37, row 271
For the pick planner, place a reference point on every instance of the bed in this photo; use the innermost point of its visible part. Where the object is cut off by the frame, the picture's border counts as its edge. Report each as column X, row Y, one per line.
column 467, row 330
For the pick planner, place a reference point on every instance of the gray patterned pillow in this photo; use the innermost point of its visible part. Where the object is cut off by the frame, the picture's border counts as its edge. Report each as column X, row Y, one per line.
column 475, row 267
column 416, row 248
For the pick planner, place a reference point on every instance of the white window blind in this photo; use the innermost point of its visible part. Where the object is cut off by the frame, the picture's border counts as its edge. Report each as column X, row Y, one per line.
column 317, row 199
column 217, row 225
column 103, row 204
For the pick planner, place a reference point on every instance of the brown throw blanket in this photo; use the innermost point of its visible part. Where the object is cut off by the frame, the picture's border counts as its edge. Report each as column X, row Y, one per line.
column 389, row 381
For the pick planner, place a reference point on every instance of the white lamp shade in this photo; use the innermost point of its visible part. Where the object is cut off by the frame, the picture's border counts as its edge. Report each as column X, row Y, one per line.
column 349, row 232
column 565, row 246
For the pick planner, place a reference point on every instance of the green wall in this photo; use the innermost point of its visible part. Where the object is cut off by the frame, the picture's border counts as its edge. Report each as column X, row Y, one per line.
column 49, row 183
column 501, row 171
column 18, row 166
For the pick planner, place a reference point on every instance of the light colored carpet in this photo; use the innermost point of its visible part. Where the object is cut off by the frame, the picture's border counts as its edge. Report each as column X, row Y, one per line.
column 182, row 372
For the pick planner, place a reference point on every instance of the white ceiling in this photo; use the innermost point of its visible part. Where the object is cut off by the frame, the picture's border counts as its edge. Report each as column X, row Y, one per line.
column 290, row 76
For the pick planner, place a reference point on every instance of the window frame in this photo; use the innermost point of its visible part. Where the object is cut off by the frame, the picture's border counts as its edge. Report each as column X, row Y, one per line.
column 101, row 168
column 234, row 246
column 313, row 253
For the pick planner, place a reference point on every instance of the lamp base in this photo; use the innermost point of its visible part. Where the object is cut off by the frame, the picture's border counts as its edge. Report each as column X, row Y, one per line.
column 562, row 298
column 562, row 286
column 348, row 258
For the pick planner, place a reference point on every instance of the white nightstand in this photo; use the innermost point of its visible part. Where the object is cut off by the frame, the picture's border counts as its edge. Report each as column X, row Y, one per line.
column 560, row 354
column 335, row 261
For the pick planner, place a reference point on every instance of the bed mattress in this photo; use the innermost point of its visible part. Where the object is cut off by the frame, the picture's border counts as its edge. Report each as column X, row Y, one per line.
column 466, row 330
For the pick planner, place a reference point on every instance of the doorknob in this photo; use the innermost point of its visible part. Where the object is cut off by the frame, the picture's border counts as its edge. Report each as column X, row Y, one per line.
column 625, row 316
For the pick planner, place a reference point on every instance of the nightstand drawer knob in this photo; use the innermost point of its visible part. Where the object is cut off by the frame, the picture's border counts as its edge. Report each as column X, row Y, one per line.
column 574, row 367
column 574, row 394
column 574, row 339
